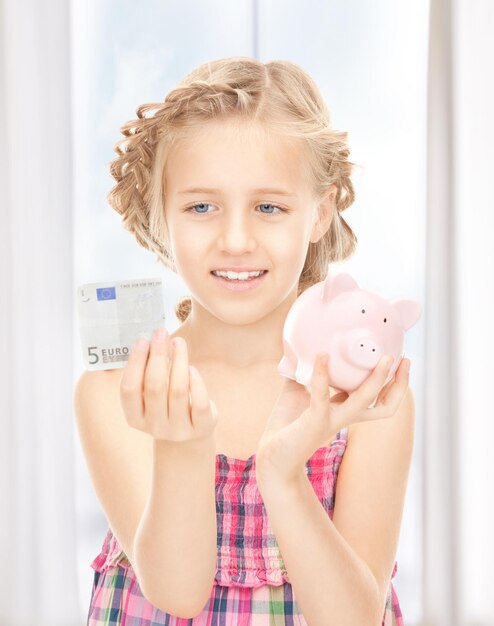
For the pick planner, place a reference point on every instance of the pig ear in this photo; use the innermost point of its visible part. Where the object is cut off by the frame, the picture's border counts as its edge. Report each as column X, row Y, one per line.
column 335, row 284
column 408, row 310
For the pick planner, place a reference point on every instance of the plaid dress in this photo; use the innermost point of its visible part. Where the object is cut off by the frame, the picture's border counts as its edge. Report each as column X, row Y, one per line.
column 251, row 586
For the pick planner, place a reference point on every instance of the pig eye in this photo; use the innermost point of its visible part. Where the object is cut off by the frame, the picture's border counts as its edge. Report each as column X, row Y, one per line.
column 384, row 320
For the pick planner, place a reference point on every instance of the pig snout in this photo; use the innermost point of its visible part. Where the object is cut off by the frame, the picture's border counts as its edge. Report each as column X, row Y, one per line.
column 361, row 348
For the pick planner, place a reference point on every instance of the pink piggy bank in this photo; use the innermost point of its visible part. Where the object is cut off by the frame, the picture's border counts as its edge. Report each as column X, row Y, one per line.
column 356, row 327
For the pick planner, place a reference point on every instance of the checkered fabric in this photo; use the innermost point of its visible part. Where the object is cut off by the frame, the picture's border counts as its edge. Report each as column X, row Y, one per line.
column 251, row 586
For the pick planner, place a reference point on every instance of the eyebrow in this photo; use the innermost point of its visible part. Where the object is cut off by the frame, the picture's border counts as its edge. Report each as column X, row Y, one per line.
column 279, row 192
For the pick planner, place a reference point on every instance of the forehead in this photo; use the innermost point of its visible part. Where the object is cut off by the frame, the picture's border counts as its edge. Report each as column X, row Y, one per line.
column 227, row 153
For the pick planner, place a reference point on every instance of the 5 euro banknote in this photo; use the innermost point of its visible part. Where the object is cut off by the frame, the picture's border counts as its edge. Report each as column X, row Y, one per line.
column 113, row 314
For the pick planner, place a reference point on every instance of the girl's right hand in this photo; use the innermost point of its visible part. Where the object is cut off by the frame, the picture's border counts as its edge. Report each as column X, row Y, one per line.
column 154, row 392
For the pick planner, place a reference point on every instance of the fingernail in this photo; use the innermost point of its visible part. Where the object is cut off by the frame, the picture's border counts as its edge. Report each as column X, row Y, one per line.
column 140, row 344
column 159, row 334
column 388, row 362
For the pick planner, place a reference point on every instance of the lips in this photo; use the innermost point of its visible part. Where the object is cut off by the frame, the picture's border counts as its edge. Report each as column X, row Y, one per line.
column 239, row 285
column 262, row 273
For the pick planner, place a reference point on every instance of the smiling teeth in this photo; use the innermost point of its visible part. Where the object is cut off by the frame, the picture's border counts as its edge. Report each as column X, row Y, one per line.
column 238, row 275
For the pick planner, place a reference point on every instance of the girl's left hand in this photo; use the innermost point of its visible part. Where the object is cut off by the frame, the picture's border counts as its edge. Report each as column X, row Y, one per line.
column 303, row 421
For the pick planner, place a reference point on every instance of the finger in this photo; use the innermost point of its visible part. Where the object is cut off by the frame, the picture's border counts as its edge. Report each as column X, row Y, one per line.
column 156, row 382
column 384, row 391
column 131, row 383
column 203, row 411
column 362, row 398
column 178, row 392
column 389, row 401
column 319, row 380
column 319, row 394
column 322, row 405
column 382, row 394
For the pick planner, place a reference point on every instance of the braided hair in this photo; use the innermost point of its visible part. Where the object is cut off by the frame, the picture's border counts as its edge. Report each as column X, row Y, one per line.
column 278, row 95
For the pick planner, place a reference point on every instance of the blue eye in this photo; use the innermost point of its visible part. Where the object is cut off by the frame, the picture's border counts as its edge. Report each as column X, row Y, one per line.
column 196, row 205
column 204, row 204
column 280, row 210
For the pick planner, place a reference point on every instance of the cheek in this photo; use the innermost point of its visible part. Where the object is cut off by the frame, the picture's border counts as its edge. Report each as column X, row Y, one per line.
column 184, row 249
column 289, row 246
column 187, row 240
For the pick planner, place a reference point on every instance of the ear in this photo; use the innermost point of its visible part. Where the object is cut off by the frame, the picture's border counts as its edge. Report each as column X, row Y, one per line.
column 324, row 215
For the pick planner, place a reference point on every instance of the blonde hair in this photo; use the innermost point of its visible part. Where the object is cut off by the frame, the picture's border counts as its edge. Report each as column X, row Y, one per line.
column 281, row 97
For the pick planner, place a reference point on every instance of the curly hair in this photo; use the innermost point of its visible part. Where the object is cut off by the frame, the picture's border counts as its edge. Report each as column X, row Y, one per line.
column 281, row 97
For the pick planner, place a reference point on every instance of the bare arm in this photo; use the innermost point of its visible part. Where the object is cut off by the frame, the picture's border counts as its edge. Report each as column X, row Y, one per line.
column 340, row 568
column 168, row 495
column 151, row 457
column 175, row 542
column 332, row 584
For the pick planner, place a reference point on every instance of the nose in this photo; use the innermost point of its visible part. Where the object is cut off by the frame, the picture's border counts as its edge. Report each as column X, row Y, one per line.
column 363, row 347
column 237, row 233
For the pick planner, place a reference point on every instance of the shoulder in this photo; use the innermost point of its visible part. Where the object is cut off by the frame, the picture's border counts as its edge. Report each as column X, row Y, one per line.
column 378, row 456
column 401, row 428
column 396, row 430
column 98, row 380
column 99, row 415
column 96, row 392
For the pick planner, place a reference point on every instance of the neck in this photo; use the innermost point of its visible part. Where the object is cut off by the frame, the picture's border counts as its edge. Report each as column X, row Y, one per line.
column 213, row 341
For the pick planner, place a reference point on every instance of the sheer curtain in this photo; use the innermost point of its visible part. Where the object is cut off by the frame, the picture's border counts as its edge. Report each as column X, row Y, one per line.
column 472, row 97
column 411, row 83
column 38, row 541
column 459, row 339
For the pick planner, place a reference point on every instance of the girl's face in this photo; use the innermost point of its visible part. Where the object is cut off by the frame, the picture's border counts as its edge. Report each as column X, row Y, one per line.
column 235, row 197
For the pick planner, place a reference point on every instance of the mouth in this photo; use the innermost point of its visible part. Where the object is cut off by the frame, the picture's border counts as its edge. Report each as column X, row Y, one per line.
column 237, row 284
column 239, row 280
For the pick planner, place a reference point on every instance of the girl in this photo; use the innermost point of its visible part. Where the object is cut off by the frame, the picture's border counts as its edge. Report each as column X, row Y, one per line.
column 216, row 474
